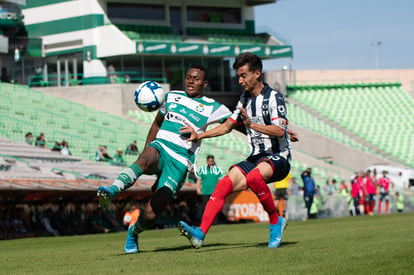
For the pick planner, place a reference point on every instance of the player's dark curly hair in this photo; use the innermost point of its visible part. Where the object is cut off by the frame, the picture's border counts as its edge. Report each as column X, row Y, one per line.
column 201, row 68
column 255, row 63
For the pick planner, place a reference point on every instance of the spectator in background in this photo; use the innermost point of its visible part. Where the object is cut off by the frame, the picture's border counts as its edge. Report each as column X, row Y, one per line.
column 41, row 141
column 112, row 73
column 46, row 222
column 329, row 188
column 363, row 194
column 384, row 183
column 96, row 222
column 28, row 138
column 316, row 205
column 207, row 179
column 309, row 189
column 101, row 154
column 56, row 147
column 64, row 150
column 77, row 220
column 326, row 187
column 118, row 158
column 293, row 187
column 60, row 220
column 333, row 188
column 356, row 192
column 281, row 195
column 371, row 189
column 131, row 216
column 132, row 149
column 343, row 189
column 400, row 202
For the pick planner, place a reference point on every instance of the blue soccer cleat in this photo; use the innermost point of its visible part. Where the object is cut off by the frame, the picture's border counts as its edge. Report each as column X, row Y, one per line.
column 105, row 195
column 131, row 244
column 276, row 233
column 193, row 234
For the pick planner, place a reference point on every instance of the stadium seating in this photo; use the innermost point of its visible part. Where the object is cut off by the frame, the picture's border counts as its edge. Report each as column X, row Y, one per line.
column 306, row 120
column 217, row 31
column 235, row 39
column 27, row 110
column 146, row 32
column 375, row 112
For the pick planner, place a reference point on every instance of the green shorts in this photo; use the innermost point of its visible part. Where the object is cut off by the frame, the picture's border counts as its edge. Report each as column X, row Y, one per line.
column 173, row 168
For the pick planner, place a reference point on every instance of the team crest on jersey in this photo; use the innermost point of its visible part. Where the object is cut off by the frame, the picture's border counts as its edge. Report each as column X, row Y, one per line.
column 265, row 109
column 200, row 108
column 281, row 109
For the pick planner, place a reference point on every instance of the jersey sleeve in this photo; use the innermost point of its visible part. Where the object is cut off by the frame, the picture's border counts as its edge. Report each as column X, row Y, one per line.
column 235, row 116
column 278, row 111
column 219, row 115
column 163, row 109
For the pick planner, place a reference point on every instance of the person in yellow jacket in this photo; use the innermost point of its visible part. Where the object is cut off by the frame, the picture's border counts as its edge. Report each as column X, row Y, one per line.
column 400, row 202
column 281, row 194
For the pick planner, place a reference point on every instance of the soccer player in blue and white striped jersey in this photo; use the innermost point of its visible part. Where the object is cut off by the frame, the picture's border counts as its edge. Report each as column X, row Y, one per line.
column 262, row 110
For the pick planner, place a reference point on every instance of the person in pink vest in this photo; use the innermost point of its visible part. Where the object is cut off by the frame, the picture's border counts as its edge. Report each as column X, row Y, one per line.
column 384, row 183
column 356, row 192
column 371, row 189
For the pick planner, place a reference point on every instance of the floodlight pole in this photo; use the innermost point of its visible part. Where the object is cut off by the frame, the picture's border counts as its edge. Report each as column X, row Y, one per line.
column 376, row 46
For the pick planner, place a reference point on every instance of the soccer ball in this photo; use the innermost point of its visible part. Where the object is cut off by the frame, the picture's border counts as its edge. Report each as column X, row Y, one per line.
column 149, row 96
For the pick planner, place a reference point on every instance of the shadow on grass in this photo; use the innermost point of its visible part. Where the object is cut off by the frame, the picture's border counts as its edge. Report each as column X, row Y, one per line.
column 208, row 247
column 282, row 245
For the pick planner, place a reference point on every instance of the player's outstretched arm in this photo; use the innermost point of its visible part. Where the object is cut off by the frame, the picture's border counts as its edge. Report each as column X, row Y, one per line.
column 220, row 130
column 271, row 130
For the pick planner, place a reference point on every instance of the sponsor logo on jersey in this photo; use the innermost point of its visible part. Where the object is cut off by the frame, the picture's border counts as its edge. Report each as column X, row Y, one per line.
column 196, row 118
column 281, row 109
column 175, row 117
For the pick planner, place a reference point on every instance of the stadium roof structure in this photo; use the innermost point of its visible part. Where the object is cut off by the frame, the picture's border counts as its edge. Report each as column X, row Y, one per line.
column 148, row 37
column 211, row 49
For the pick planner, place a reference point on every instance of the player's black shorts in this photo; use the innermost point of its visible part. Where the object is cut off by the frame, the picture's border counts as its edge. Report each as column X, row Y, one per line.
column 371, row 197
column 281, row 193
column 384, row 196
column 280, row 165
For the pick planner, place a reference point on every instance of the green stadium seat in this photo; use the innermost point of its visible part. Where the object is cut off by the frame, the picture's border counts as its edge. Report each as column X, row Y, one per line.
column 366, row 119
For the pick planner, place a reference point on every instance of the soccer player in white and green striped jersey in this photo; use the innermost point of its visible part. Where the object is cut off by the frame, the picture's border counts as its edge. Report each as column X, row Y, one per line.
column 168, row 153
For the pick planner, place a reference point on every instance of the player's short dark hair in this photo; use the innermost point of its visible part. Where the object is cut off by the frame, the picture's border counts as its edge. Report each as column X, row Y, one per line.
column 200, row 67
column 254, row 62
column 210, row 157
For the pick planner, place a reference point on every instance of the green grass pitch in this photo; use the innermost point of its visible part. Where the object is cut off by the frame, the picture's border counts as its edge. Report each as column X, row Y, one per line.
column 355, row 245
